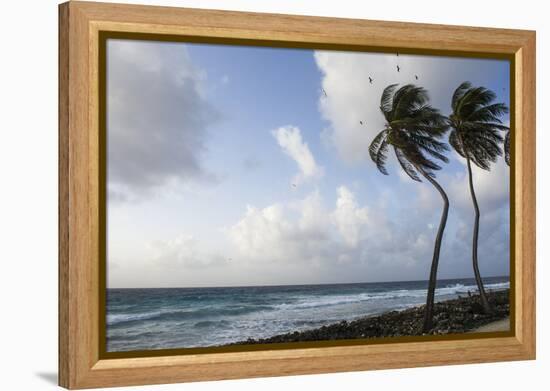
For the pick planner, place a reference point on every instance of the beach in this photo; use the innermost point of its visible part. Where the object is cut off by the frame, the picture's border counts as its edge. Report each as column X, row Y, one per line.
column 456, row 316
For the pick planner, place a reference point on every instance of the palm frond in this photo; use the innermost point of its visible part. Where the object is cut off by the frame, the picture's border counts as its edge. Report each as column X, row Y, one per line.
column 456, row 143
column 489, row 113
column 378, row 151
column 507, row 148
column 427, row 164
column 406, row 165
column 407, row 100
column 474, row 130
column 386, row 100
column 459, row 93
column 429, row 144
column 473, row 99
column 488, row 125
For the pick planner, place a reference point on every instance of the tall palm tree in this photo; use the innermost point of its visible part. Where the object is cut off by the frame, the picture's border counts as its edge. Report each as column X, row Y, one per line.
column 413, row 129
column 475, row 134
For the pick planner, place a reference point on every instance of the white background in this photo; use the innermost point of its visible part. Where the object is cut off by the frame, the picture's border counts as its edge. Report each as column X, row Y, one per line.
column 28, row 196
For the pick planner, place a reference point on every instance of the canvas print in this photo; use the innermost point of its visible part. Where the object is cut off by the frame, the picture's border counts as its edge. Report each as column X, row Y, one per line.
column 260, row 195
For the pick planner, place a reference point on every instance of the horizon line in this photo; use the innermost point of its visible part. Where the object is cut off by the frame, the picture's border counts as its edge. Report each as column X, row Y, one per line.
column 287, row 285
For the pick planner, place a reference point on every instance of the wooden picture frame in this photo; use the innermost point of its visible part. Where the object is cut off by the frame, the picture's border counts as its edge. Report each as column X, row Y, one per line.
column 81, row 364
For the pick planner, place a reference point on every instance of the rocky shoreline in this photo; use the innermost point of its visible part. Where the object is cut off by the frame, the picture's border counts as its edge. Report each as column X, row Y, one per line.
column 454, row 316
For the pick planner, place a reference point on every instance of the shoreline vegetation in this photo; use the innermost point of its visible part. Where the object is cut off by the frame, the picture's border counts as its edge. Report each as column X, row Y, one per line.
column 455, row 316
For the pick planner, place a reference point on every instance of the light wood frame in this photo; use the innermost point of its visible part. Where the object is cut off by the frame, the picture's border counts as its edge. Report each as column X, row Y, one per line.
column 80, row 23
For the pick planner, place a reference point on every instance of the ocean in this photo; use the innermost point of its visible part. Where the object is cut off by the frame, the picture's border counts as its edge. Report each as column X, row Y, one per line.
column 168, row 318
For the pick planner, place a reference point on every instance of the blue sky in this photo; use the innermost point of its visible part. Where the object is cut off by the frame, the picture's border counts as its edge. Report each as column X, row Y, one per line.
column 229, row 166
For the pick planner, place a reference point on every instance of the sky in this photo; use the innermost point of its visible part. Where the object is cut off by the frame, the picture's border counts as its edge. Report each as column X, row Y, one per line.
column 237, row 166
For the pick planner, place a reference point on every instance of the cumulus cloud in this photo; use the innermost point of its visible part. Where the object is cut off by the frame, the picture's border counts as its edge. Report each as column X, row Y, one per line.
column 260, row 230
column 313, row 243
column 348, row 217
column 157, row 117
column 290, row 140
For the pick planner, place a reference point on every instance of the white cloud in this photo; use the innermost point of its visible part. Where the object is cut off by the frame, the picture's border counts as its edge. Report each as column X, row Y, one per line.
column 351, row 99
column 290, row 140
column 157, row 117
column 312, row 213
column 348, row 217
column 299, row 232
column 184, row 251
column 259, row 233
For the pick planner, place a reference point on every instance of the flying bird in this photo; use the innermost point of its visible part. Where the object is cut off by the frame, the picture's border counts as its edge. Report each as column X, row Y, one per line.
column 361, row 122
column 371, row 80
column 324, row 92
column 416, row 77
column 398, row 68
column 294, row 185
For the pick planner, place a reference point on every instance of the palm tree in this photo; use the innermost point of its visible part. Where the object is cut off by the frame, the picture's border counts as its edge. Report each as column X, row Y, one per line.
column 412, row 130
column 507, row 147
column 475, row 135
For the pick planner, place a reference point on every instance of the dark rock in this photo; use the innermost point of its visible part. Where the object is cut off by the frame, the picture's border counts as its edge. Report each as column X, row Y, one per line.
column 450, row 317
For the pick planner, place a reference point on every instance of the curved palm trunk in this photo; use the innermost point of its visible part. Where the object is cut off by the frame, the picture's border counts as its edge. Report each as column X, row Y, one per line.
column 479, row 282
column 428, row 314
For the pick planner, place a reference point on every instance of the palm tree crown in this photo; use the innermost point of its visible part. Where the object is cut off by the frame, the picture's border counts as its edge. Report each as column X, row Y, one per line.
column 412, row 129
column 476, row 125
